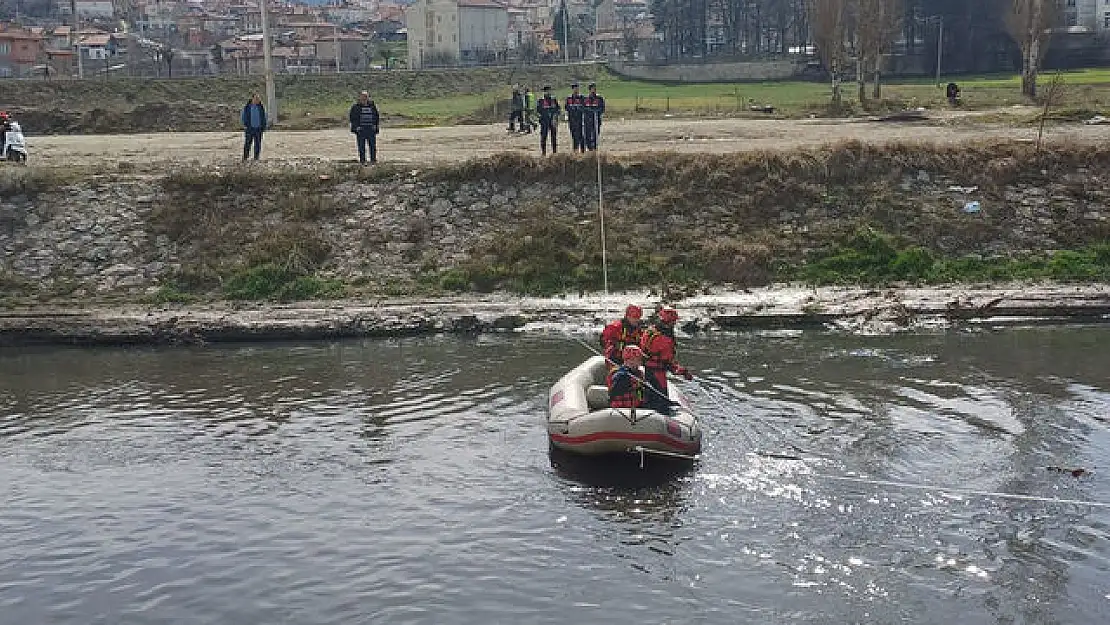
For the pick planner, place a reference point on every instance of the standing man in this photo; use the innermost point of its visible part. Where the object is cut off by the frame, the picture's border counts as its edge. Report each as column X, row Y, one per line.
column 548, row 112
column 516, row 111
column 254, row 124
column 594, row 108
column 575, row 110
column 364, row 124
column 529, row 109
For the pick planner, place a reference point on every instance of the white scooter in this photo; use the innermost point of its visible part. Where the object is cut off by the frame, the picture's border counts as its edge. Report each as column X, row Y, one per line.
column 15, row 147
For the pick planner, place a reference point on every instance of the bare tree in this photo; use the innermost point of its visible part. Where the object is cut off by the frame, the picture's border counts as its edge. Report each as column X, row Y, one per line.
column 889, row 19
column 1054, row 94
column 1028, row 23
column 630, row 41
column 877, row 23
column 828, row 19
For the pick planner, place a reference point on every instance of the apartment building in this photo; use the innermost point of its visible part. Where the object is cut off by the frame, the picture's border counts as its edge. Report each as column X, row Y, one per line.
column 453, row 31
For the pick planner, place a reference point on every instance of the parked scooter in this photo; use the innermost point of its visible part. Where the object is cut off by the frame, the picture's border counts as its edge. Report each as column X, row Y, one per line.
column 15, row 147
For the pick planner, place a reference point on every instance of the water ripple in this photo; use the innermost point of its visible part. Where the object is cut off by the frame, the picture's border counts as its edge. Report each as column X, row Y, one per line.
column 409, row 481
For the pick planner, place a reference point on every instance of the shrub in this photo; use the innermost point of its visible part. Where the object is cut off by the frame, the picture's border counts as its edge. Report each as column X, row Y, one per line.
column 274, row 282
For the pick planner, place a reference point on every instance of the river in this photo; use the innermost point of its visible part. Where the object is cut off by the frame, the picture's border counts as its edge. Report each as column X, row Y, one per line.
column 409, row 481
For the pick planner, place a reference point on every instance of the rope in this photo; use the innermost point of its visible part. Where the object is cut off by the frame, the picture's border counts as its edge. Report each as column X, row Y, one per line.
column 601, row 209
column 659, row 452
column 963, row 491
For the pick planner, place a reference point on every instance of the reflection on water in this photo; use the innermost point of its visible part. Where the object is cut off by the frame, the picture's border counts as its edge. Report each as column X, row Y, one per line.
column 410, row 481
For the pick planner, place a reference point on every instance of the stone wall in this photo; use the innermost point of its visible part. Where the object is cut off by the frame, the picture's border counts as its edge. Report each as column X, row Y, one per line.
column 96, row 238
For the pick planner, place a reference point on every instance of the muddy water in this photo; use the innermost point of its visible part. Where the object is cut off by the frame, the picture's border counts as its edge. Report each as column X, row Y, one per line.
column 409, row 481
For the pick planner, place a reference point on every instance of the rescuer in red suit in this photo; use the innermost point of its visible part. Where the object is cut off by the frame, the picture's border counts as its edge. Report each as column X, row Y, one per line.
column 658, row 345
column 622, row 333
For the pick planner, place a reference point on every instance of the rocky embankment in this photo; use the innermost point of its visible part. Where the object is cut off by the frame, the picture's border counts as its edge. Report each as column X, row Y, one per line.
column 723, row 223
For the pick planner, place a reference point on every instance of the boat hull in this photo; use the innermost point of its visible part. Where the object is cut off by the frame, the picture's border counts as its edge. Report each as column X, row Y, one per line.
column 580, row 421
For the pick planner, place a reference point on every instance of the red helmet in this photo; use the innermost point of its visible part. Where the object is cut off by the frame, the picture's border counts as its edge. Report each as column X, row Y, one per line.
column 632, row 352
column 633, row 312
column 4, row 115
column 668, row 315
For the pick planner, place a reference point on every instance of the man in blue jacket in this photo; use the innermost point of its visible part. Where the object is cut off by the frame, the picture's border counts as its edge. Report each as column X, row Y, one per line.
column 254, row 124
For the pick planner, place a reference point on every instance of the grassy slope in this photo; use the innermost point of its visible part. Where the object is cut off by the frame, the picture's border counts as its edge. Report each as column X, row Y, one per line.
column 481, row 95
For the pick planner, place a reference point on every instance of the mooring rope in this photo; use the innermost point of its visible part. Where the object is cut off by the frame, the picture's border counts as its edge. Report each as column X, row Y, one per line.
column 962, row 491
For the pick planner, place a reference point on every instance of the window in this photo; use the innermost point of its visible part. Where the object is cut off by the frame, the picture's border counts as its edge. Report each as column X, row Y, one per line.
column 5, row 47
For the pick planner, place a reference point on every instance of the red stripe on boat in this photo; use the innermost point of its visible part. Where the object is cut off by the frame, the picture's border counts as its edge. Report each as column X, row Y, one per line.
column 639, row 437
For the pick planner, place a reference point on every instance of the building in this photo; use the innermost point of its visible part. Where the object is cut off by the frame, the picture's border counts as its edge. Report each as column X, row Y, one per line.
column 614, row 15
column 483, row 30
column 88, row 8
column 1091, row 15
column 355, row 52
column 448, row 32
column 20, row 51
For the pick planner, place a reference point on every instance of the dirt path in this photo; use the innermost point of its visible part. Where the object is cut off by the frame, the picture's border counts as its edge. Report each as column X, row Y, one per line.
column 424, row 145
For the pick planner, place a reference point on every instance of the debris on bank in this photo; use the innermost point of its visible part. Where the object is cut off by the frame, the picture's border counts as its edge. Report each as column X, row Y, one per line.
column 862, row 311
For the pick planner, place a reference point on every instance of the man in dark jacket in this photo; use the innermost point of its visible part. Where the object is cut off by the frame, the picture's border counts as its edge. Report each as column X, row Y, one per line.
column 575, row 110
column 254, row 124
column 516, row 111
column 593, row 108
column 364, row 123
column 548, row 111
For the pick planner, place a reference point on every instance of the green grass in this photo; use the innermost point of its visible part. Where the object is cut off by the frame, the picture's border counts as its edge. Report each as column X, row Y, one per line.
column 1086, row 89
column 871, row 258
column 271, row 281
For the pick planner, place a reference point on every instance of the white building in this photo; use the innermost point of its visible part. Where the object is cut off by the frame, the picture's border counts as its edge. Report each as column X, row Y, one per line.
column 483, row 29
column 1093, row 15
column 88, row 8
column 445, row 32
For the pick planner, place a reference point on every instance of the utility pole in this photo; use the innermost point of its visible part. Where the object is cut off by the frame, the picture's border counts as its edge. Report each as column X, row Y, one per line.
column 73, row 38
column 335, row 29
column 940, row 47
column 268, row 65
column 566, row 19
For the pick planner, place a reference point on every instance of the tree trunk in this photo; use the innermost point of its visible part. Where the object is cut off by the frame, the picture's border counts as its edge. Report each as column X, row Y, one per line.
column 861, row 82
column 836, row 99
column 878, row 92
column 1029, row 71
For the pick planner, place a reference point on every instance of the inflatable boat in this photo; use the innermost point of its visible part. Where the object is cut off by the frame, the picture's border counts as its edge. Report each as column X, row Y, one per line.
column 580, row 420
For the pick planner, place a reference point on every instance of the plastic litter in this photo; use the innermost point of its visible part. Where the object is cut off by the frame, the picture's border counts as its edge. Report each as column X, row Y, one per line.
column 972, row 207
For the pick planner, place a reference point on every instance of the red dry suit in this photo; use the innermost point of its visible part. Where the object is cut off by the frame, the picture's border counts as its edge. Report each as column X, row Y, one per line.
column 616, row 336
column 659, row 356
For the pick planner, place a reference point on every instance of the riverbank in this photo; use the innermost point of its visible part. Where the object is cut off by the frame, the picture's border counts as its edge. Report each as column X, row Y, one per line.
column 770, row 308
column 677, row 224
